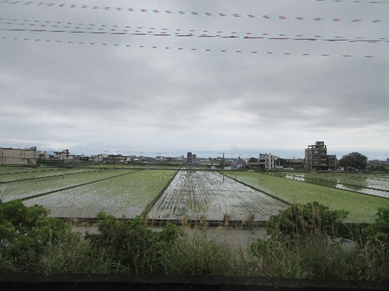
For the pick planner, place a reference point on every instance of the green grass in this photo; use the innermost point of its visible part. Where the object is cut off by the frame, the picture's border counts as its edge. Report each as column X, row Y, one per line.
column 362, row 208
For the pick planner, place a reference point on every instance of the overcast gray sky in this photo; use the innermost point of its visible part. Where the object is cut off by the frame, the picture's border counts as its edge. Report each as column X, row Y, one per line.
column 249, row 77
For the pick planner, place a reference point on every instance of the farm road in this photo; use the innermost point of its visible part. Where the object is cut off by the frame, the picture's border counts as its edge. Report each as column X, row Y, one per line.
column 211, row 196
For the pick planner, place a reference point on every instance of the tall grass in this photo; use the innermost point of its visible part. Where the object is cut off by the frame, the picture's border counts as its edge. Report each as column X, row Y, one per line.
column 197, row 254
column 132, row 247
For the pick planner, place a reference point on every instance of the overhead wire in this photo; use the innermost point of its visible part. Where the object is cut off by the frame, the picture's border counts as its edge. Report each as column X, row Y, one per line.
column 191, row 49
column 352, row 1
column 165, row 32
column 79, row 28
column 194, row 13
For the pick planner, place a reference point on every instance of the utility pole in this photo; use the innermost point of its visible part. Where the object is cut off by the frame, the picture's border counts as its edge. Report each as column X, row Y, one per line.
column 222, row 160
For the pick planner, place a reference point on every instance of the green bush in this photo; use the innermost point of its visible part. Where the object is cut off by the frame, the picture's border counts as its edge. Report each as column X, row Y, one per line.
column 24, row 234
column 131, row 246
column 380, row 228
column 311, row 219
column 305, row 241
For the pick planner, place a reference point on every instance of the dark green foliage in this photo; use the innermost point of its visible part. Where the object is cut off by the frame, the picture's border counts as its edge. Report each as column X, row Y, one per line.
column 132, row 245
column 25, row 232
column 307, row 220
column 299, row 225
column 380, row 168
column 380, row 228
column 354, row 160
column 298, row 246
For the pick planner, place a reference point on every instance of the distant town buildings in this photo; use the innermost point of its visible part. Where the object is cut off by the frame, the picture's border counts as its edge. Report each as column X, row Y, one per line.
column 28, row 156
column 316, row 157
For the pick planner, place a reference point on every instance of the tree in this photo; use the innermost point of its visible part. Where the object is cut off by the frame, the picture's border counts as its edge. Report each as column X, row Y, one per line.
column 354, row 160
column 253, row 160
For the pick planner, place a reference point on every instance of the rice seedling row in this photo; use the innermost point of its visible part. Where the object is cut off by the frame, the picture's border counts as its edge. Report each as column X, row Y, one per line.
column 30, row 188
column 120, row 196
column 361, row 184
column 361, row 208
column 13, row 171
column 36, row 176
column 205, row 195
column 74, row 186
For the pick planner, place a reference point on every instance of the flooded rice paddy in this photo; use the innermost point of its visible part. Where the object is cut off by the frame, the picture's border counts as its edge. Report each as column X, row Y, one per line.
column 211, row 196
column 164, row 194
column 377, row 185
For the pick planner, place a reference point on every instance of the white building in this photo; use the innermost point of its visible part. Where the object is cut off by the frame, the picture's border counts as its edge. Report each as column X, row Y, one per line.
column 267, row 161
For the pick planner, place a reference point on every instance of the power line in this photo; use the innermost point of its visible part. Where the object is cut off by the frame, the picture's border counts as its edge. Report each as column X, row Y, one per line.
column 352, row 1
column 191, row 49
column 194, row 13
column 204, row 34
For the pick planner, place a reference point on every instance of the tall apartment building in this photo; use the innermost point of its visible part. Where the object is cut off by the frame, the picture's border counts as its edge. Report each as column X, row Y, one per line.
column 316, row 157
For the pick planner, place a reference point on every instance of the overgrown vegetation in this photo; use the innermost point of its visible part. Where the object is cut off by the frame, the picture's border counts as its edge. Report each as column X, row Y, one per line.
column 311, row 241
column 299, row 221
column 304, row 241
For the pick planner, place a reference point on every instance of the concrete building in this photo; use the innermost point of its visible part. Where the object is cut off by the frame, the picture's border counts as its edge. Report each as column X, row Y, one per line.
column 267, row 161
column 190, row 158
column 62, row 154
column 316, row 157
column 29, row 156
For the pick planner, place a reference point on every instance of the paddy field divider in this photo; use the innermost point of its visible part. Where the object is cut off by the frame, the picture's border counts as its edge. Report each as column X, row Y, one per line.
column 74, row 186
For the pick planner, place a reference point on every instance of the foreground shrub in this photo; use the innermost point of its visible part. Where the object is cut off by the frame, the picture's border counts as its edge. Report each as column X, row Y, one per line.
column 25, row 232
column 131, row 246
column 299, row 245
column 380, row 228
column 196, row 253
column 310, row 241
column 311, row 219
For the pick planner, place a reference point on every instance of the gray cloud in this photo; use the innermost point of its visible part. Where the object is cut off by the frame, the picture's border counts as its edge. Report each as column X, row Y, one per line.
column 63, row 92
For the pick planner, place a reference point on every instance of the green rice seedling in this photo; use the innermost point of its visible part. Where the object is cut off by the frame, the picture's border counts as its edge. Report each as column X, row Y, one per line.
column 361, row 208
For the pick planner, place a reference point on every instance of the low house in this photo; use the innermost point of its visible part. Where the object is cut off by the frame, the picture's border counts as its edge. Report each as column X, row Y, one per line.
column 115, row 159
